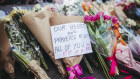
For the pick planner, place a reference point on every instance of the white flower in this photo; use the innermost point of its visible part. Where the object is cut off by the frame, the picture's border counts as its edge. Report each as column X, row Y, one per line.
column 131, row 22
column 71, row 7
column 37, row 7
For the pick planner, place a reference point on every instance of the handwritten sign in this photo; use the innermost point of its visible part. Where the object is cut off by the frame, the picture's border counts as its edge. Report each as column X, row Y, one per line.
column 70, row 40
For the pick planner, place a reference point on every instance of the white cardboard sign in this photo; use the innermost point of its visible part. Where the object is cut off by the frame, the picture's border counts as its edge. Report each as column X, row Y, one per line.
column 70, row 39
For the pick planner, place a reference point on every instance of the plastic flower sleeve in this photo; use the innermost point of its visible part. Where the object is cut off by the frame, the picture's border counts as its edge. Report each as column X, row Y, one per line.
column 107, row 49
column 126, row 59
column 132, row 39
column 135, row 47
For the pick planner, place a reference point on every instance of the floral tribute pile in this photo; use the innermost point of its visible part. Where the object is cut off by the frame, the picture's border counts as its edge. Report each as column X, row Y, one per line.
column 113, row 37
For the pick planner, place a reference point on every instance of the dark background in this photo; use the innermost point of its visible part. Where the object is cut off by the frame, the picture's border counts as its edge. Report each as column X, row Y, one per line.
column 9, row 2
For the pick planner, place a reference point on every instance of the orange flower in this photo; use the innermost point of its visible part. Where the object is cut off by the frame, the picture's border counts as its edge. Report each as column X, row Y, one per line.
column 85, row 8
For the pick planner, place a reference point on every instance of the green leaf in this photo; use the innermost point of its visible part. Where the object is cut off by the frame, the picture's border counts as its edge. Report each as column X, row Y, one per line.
column 98, row 35
column 109, row 25
column 91, row 32
column 101, row 20
column 106, row 44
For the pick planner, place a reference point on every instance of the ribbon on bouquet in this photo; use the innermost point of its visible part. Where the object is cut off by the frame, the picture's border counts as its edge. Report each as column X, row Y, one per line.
column 76, row 71
column 114, row 64
column 113, row 58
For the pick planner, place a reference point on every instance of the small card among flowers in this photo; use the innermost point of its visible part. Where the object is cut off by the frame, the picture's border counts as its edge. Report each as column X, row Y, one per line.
column 70, row 39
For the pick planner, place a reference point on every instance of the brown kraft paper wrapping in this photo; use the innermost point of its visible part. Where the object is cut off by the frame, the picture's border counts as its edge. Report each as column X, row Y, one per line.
column 5, row 47
column 118, row 12
column 69, row 61
column 37, row 70
column 6, row 61
column 38, row 24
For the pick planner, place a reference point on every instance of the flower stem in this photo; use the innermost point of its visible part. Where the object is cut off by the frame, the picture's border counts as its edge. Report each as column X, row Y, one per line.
column 88, row 65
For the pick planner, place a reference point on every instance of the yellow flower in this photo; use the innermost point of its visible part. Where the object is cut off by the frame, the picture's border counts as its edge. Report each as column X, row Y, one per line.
column 6, row 18
column 13, row 12
column 19, row 10
column 23, row 11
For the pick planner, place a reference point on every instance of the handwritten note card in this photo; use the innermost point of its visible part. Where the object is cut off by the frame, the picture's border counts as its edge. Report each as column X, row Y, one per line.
column 70, row 40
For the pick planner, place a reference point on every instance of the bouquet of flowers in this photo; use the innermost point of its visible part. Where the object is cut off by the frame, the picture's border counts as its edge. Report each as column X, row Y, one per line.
column 69, row 8
column 104, row 39
column 132, row 11
column 130, row 32
column 131, row 24
column 74, row 8
column 38, row 23
column 102, row 29
column 128, row 29
column 24, row 45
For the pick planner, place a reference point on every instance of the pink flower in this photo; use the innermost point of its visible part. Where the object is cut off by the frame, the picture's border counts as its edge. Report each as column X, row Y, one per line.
column 87, row 18
column 52, row 9
column 130, row 6
column 106, row 17
column 93, row 18
column 114, row 19
column 125, row 8
column 109, row 17
column 99, row 14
